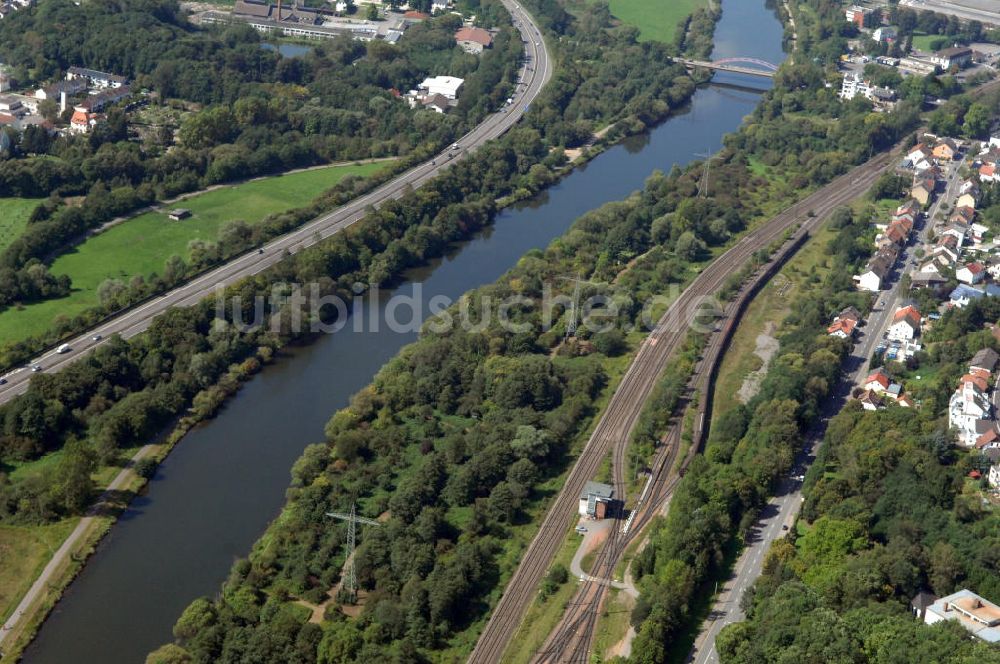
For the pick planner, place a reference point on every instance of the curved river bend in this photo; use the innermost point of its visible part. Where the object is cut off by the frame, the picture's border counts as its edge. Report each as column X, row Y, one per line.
column 214, row 495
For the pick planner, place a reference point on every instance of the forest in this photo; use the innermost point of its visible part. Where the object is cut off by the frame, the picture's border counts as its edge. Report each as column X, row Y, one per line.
column 889, row 511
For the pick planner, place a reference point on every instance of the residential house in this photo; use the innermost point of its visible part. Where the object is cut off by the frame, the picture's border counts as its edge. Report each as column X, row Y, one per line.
column 963, row 295
column 967, row 200
column 949, row 244
column 989, row 172
column 963, row 215
column 857, row 15
column 98, row 79
column 905, row 324
column 956, row 56
column 945, row 150
column 971, row 273
column 842, row 328
column 56, row 90
column 977, row 615
column 853, row 85
column 83, row 120
column 910, row 206
column 849, row 313
column 877, row 269
column 989, row 439
column 436, row 102
column 969, row 411
column 984, row 360
column 994, row 476
column 595, row 500
column 473, row 40
column 919, row 154
column 447, row 86
column 871, row 401
column 927, row 280
column 922, row 192
column 877, row 381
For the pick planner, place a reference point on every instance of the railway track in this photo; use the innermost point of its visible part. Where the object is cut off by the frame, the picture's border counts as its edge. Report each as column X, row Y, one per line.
column 614, row 429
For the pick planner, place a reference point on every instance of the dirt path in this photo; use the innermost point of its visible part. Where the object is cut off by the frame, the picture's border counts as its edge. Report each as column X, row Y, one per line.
column 767, row 346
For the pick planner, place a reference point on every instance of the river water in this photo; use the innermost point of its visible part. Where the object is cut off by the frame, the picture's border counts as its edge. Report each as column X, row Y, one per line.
column 215, row 494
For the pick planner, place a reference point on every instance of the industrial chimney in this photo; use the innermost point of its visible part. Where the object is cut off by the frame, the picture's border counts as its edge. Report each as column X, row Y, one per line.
column 62, row 101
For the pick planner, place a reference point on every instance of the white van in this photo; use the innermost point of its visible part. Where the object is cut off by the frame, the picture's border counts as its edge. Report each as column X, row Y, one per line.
column 63, row 349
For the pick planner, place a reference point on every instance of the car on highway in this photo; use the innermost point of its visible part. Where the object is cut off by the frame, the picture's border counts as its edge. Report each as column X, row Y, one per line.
column 96, row 337
column 36, row 367
column 3, row 381
column 62, row 350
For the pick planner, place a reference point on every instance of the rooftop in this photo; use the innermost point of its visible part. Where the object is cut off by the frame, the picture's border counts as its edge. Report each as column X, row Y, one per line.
column 597, row 489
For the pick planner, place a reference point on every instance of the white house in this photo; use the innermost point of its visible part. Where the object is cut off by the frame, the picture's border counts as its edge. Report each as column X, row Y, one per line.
column 446, row 86
column 994, row 476
column 971, row 273
column 976, row 614
column 905, row 324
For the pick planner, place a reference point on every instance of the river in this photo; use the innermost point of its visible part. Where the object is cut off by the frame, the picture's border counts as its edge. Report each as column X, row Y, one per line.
column 215, row 494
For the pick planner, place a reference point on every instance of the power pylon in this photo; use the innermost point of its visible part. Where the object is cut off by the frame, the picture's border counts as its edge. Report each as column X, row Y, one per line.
column 352, row 519
column 703, row 185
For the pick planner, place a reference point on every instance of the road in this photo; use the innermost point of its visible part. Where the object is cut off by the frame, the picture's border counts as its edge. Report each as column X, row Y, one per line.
column 536, row 73
column 781, row 511
column 614, row 429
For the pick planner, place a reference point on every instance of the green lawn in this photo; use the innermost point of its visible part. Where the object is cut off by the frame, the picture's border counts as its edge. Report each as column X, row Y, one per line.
column 14, row 214
column 656, row 19
column 24, row 551
column 923, row 42
column 141, row 245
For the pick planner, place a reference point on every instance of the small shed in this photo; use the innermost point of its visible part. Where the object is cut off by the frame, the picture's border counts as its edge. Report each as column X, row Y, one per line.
column 178, row 214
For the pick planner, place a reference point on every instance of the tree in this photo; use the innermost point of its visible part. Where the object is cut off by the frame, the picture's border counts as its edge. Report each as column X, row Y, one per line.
column 977, row 121
column 71, row 485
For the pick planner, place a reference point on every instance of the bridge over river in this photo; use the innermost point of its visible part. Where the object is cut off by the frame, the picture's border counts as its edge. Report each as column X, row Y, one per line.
column 751, row 66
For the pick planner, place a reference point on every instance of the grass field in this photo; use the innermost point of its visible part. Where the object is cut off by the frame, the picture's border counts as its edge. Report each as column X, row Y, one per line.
column 656, row 19
column 142, row 245
column 14, row 217
column 770, row 306
column 923, row 42
column 24, row 551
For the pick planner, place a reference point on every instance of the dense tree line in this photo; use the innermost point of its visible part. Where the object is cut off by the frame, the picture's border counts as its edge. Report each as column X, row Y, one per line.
column 888, row 512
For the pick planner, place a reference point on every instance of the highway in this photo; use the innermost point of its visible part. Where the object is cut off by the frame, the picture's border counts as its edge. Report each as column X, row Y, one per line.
column 534, row 75
column 780, row 513
column 614, row 429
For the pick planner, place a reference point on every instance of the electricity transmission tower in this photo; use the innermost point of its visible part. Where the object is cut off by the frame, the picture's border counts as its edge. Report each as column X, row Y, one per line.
column 703, row 185
column 350, row 583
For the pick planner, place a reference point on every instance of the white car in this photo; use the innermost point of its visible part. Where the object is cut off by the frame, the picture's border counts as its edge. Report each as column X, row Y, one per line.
column 581, row 529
